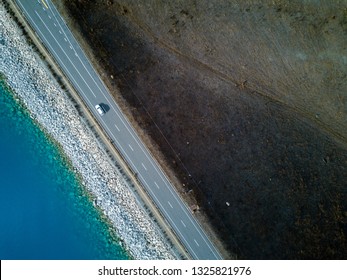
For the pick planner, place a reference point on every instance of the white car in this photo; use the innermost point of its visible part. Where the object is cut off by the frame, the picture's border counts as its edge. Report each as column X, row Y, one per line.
column 100, row 110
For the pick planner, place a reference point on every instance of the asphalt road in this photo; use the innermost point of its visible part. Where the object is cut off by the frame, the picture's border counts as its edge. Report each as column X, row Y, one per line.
column 55, row 35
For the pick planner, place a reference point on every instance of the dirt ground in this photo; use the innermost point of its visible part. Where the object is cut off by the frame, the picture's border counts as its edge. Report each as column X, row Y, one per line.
column 254, row 136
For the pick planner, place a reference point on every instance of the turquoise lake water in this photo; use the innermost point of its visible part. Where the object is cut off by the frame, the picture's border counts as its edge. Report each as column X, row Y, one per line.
column 44, row 214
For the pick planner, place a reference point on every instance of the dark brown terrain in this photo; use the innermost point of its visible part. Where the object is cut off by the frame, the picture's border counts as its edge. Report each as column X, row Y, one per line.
column 247, row 105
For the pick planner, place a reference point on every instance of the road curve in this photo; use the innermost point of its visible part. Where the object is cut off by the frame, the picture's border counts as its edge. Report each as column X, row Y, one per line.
column 59, row 41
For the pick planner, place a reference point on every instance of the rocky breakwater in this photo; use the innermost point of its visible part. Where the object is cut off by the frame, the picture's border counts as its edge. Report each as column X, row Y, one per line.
column 50, row 106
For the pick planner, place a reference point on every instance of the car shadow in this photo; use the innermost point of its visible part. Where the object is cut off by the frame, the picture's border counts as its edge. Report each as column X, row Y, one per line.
column 105, row 107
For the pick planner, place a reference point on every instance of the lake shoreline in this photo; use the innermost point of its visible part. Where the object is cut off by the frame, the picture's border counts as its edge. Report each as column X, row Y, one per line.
column 49, row 105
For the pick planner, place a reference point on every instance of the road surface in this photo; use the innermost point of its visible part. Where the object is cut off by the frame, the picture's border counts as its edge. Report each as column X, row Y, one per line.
column 55, row 35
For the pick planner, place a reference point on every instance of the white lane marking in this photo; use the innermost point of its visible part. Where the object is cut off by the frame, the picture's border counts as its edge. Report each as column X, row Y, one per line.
column 196, row 242
column 70, row 47
column 64, row 53
column 117, row 127
column 155, row 183
column 130, row 147
column 183, row 206
column 72, row 36
column 62, row 29
column 144, row 166
column 49, row 17
column 65, row 39
column 55, row 25
column 183, row 224
column 172, row 221
column 170, row 204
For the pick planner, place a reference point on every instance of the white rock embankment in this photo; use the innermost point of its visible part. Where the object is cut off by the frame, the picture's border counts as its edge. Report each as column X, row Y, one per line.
column 50, row 107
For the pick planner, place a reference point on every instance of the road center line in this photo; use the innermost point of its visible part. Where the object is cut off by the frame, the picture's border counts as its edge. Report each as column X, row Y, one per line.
column 62, row 49
column 117, row 127
column 144, row 166
column 62, row 63
column 155, row 183
column 183, row 224
column 72, row 36
column 130, row 147
column 173, row 223
column 170, row 204
column 196, row 242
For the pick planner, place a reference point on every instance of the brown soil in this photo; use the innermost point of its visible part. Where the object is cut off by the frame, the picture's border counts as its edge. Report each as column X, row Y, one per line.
column 265, row 158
